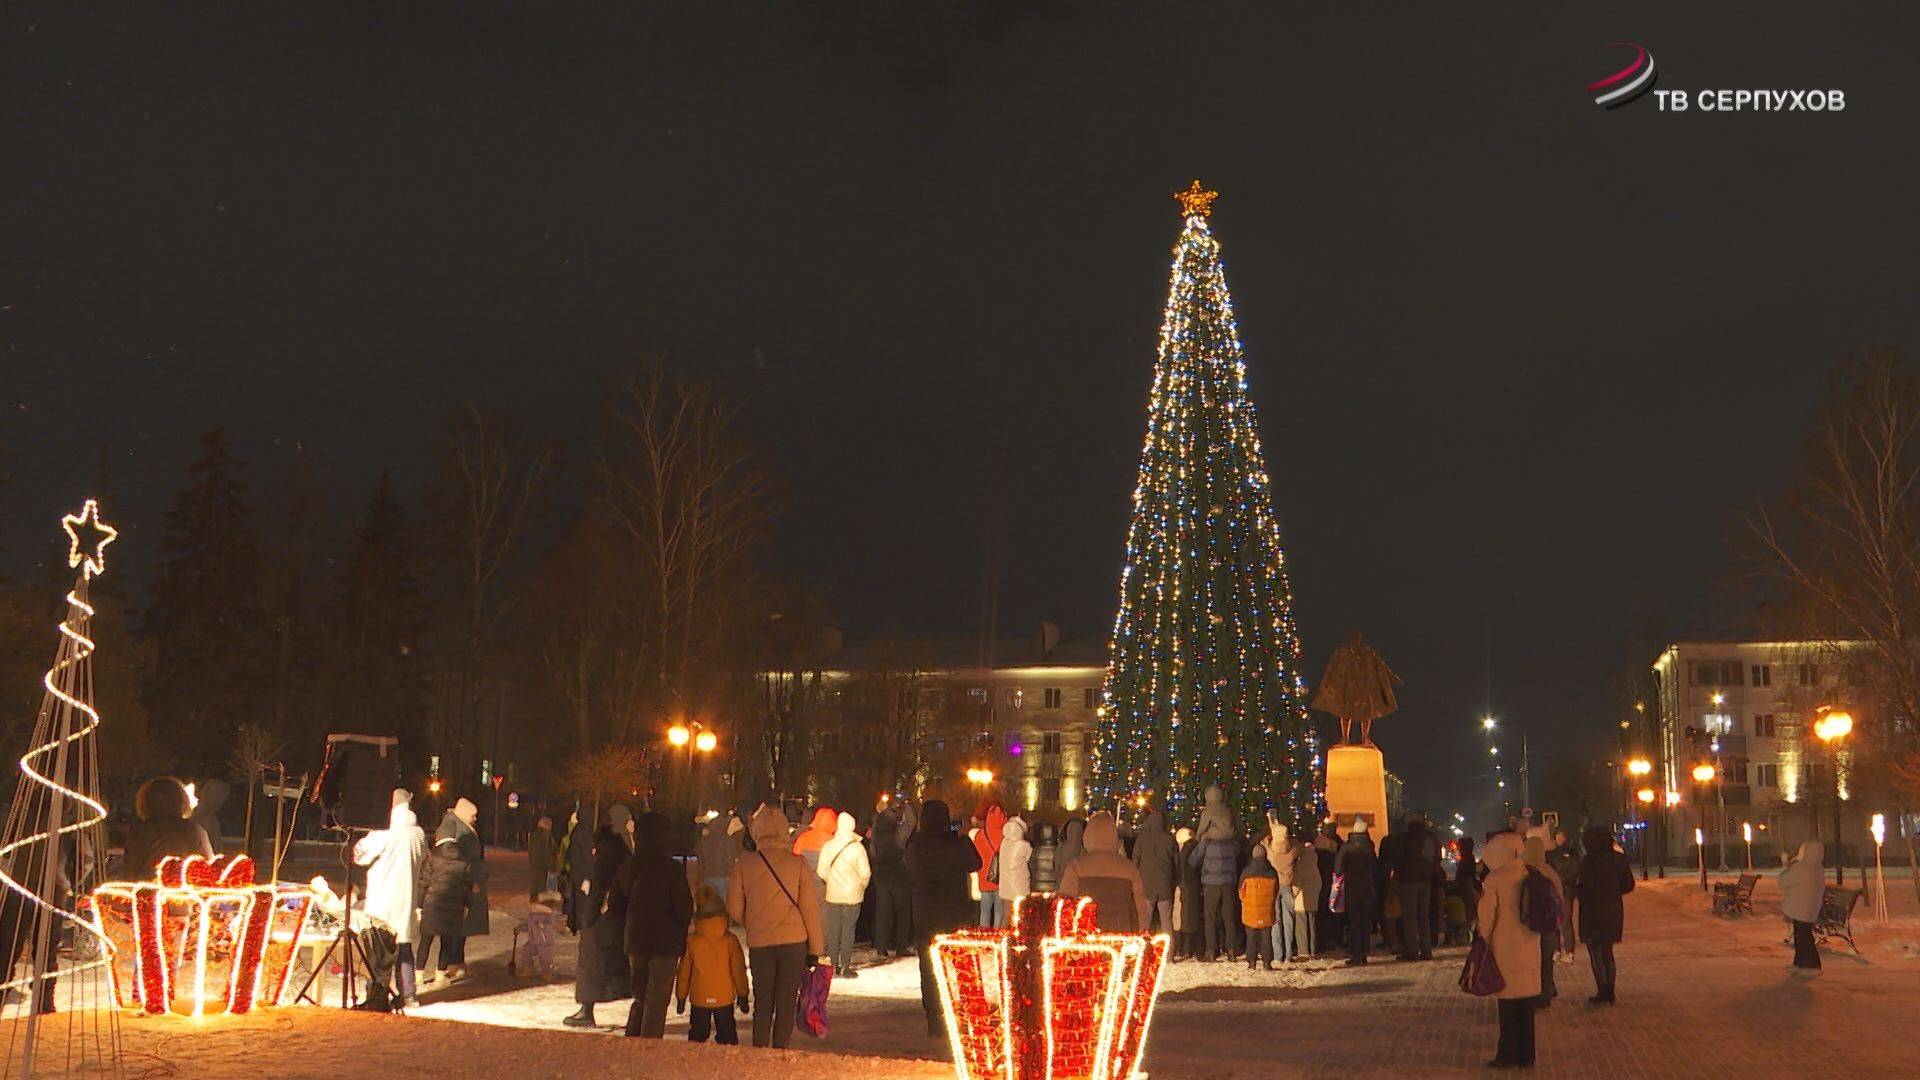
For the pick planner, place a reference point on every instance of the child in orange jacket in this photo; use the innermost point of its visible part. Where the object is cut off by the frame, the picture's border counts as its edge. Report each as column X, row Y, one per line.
column 1258, row 884
column 713, row 972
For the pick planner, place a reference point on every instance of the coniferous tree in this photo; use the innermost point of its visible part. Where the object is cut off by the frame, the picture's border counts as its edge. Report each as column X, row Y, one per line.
column 377, row 677
column 205, row 618
column 1203, row 680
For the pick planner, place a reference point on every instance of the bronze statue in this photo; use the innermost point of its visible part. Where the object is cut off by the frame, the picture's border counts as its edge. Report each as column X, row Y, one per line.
column 1358, row 685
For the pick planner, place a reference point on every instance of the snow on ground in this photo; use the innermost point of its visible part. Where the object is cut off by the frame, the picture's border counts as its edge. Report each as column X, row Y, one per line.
column 1699, row 995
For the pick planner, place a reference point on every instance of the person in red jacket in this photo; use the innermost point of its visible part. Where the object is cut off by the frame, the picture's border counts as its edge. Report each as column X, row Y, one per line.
column 986, row 841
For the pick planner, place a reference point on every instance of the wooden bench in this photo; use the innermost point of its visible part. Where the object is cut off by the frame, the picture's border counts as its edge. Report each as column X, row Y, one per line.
column 1736, row 898
column 1836, row 916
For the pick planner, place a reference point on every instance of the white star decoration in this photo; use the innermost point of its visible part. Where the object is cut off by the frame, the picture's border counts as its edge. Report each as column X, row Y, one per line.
column 93, row 550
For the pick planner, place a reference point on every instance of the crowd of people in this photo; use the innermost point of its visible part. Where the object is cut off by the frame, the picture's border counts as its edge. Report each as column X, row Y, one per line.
column 737, row 924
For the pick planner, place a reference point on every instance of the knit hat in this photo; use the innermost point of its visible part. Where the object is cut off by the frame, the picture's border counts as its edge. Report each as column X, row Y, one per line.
column 1359, row 826
column 551, row 897
column 707, row 901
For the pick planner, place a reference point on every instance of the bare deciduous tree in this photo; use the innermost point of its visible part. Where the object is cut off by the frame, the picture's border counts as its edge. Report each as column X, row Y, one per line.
column 608, row 774
column 687, row 506
column 489, row 479
column 1847, row 544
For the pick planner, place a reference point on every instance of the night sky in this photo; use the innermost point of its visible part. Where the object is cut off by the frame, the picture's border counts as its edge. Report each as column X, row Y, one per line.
column 1520, row 362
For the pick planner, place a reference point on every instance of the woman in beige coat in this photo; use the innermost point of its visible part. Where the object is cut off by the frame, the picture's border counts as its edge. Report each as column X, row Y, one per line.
column 1516, row 949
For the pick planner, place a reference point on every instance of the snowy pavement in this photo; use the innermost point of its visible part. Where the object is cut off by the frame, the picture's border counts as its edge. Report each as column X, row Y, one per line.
column 1699, row 996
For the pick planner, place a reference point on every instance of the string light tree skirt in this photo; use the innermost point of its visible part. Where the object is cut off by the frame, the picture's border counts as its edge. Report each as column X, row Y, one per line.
column 61, row 1016
column 1051, row 997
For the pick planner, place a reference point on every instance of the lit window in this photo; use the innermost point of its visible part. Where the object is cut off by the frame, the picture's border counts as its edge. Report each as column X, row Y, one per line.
column 1015, row 697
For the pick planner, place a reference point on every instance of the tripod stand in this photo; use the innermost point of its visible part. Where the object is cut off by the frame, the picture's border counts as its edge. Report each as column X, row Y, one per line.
column 346, row 945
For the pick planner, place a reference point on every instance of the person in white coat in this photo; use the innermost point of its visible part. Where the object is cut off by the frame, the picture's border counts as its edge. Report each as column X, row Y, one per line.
column 844, row 870
column 1016, row 863
column 396, row 860
column 1803, row 887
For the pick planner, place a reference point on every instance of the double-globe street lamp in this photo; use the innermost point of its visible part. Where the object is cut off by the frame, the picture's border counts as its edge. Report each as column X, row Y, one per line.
column 1639, row 768
column 692, row 738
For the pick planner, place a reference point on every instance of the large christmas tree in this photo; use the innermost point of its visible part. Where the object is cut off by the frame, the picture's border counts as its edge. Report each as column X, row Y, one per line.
column 1203, row 677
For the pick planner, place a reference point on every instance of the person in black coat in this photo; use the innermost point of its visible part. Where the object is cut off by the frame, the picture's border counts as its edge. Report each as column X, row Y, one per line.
column 1605, row 877
column 659, row 908
column 602, row 973
column 579, row 871
column 1356, row 865
column 454, row 888
column 892, row 893
column 1186, row 944
column 938, row 861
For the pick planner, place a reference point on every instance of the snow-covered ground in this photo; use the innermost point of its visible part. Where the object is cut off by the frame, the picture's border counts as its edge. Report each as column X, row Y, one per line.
column 1699, row 995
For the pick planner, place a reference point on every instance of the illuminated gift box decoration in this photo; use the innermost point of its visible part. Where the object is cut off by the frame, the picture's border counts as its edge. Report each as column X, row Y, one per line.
column 201, row 938
column 1050, row 998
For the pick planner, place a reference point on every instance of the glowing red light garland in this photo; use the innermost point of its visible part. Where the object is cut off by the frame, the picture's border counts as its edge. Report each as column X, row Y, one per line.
column 1049, row 998
column 201, row 938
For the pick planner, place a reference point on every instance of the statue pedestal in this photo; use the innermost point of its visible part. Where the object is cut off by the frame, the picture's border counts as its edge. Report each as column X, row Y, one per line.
column 1357, row 784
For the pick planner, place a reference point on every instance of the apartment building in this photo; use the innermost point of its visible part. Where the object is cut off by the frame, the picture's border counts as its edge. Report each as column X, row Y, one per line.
column 1020, row 708
column 1746, row 707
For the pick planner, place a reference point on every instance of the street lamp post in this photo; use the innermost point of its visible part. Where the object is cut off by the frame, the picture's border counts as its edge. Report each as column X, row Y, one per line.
column 1834, row 725
column 1703, row 774
column 1746, row 833
column 1639, row 768
column 1720, row 792
column 1645, row 795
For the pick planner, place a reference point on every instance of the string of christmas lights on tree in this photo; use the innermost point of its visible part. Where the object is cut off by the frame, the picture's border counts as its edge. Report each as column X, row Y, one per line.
column 1203, row 681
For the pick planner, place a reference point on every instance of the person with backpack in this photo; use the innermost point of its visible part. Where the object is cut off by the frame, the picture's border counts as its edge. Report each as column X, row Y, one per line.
column 1537, row 898
column 776, row 897
column 1353, row 870
column 1605, row 877
column 1514, row 944
column 844, row 873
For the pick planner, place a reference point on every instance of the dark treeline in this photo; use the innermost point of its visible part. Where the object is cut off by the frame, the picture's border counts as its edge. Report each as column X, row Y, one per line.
column 525, row 608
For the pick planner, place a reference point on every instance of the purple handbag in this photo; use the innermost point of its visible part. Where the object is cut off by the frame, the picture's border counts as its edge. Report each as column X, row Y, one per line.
column 813, row 1000
column 1481, row 976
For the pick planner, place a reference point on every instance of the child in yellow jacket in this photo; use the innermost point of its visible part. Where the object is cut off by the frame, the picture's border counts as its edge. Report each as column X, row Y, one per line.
column 713, row 972
column 1258, row 884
